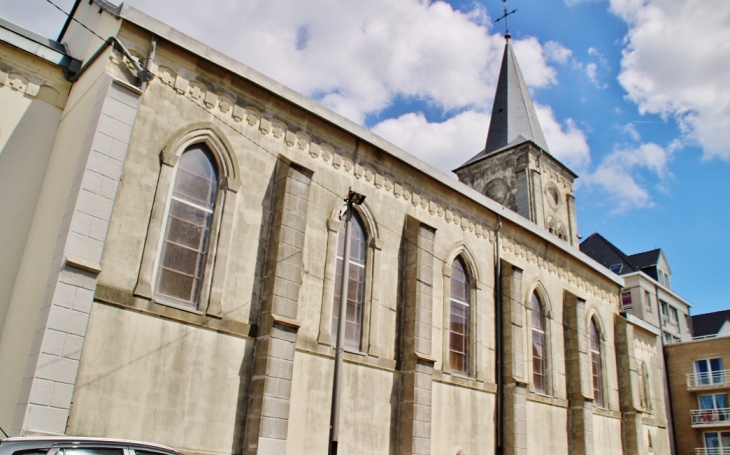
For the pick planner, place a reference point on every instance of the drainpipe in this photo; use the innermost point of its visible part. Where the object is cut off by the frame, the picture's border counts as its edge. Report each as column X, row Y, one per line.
column 667, row 392
column 143, row 74
column 542, row 191
column 148, row 63
column 499, row 426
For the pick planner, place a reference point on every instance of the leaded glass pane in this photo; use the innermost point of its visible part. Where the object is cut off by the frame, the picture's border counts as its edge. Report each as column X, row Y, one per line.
column 596, row 366
column 538, row 344
column 355, row 286
column 459, row 318
column 187, row 228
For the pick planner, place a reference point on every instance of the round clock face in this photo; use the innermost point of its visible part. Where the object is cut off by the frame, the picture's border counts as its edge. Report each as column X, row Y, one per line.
column 497, row 190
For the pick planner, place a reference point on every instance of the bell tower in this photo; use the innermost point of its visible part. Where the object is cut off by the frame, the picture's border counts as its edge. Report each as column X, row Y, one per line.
column 516, row 168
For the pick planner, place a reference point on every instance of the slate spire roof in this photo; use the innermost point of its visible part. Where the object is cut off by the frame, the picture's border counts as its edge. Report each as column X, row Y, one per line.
column 514, row 120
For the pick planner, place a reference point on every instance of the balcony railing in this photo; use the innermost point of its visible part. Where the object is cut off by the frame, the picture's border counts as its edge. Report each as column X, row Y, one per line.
column 715, row 451
column 710, row 417
column 708, row 380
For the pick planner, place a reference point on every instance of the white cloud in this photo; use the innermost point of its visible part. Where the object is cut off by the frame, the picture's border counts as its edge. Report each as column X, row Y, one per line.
column 621, row 175
column 676, row 64
column 556, row 52
column 567, row 142
column 532, row 61
column 591, row 70
column 631, row 130
column 356, row 57
column 577, row 2
column 446, row 145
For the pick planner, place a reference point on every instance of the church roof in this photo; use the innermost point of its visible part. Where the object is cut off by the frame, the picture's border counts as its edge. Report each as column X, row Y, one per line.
column 513, row 116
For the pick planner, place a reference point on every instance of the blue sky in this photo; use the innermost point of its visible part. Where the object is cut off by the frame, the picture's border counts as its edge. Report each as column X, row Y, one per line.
column 633, row 95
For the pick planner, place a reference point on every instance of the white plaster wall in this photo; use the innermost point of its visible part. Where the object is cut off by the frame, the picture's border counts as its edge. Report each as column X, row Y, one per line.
column 367, row 408
column 153, row 379
column 39, row 250
column 27, row 131
column 607, row 435
column 546, row 428
column 463, row 419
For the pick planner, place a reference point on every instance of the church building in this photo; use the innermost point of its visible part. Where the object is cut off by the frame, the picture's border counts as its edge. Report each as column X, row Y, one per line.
column 176, row 249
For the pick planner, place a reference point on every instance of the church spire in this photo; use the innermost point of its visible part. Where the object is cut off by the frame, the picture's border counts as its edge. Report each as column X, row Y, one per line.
column 513, row 114
column 514, row 120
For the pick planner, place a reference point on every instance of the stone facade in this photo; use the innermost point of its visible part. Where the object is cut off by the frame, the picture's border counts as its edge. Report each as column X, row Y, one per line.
column 248, row 366
column 530, row 182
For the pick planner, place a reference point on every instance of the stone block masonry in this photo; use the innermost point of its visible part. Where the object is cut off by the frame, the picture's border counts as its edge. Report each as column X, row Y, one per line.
column 416, row 376
column 267, row 423
column 50, row 375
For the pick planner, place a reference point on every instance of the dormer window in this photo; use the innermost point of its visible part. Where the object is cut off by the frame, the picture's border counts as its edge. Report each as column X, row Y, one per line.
column 617, row 268
column 664, row 279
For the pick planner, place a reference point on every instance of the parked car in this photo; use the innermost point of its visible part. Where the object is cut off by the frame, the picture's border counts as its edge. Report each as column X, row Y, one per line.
column 71, row 445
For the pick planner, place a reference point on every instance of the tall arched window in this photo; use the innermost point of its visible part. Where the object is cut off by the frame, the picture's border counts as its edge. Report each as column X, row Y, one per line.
column 459, row 318
column 596, row 364
column 355, row 286
column 184, row 248
column 539, row 358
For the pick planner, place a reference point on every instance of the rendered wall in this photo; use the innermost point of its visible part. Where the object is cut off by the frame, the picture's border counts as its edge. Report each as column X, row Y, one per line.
column 163, row 374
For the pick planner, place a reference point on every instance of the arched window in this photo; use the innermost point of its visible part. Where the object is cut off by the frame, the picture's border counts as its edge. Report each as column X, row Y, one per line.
column 184, row 247
column 459, row 318
column 539, row 357
column 596, row 364
column 355, row 286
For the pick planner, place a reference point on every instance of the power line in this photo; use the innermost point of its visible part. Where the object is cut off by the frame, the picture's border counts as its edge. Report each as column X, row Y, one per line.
column 379, row 224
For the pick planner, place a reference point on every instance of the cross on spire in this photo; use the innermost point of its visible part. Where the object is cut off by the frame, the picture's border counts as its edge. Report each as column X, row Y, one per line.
column 504, row 16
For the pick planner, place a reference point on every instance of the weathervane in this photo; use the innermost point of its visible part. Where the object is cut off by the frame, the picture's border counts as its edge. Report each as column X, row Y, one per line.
column 504, row 16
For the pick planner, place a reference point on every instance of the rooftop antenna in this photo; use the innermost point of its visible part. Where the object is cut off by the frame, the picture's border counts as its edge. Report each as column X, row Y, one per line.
column 504, row 16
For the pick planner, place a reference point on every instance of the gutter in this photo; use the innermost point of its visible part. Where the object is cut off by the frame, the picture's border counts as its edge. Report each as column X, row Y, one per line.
column 143, row 74
column 499, row 411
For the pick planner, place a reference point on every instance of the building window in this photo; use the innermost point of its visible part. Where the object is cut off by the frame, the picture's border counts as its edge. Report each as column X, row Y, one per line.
column 673, row 316
column 647, row 301
column 713, row 401
column 664, row 279
column 459, row 318
column 626, row 303
column 596, row 364
column 714, row 410
column 355, row 286
column 709, row 371
column 664, row 310
column 539, row 351
column 717, row 442
column 617, row 268
column 184, row 246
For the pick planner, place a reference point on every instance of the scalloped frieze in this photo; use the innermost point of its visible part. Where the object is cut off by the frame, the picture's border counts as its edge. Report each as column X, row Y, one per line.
column 366, row 172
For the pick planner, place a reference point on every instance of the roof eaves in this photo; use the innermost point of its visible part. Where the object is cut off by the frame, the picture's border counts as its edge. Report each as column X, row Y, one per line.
column 177, row 38
column 37, row 45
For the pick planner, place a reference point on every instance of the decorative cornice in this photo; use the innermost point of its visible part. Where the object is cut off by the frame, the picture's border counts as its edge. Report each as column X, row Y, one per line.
column 248, row 117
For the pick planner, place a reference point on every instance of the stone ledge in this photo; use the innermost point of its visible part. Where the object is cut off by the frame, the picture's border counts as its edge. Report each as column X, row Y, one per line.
column 606, row 413
column 312, row 347
column 545, row 399
column 83, row 264
column 125, row 299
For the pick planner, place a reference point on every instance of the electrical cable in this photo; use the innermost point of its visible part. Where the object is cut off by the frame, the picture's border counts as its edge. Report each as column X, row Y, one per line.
column 585, row 337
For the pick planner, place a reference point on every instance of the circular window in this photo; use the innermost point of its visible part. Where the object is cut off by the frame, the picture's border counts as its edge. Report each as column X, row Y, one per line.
column 553, row 196
column 497, row 190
